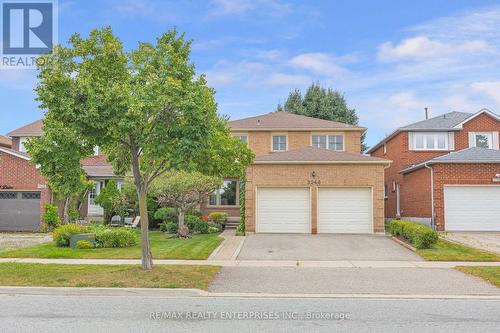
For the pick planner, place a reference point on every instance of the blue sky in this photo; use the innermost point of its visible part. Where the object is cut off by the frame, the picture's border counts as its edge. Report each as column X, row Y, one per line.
column 390, row 58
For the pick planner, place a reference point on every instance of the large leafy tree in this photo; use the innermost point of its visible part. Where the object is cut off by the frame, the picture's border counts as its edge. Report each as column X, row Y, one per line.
column 146, row 109
column 58, row 153
column 184, row 190
column 319, row 102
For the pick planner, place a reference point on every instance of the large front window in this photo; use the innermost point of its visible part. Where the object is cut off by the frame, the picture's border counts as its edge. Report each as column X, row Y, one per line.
column 332, row 142
column 226, row 195
column 430, row 141
column 279, row 142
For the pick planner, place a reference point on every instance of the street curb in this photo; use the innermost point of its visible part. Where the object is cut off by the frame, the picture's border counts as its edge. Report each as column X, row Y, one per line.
column 198, row 293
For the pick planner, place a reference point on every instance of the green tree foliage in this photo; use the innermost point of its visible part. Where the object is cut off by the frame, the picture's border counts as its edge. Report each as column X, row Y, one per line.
column 321, row 103
column 147, row 110
column 105, row 199
column 184, row 190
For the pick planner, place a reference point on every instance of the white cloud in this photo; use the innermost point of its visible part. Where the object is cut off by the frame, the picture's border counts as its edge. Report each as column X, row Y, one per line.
column 319, row 63
column 490, row 89
column 240, row 7
column 291, row 80
column 422, row 47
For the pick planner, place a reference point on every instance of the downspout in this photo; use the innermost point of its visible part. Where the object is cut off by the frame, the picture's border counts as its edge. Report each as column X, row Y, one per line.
column 433, row 226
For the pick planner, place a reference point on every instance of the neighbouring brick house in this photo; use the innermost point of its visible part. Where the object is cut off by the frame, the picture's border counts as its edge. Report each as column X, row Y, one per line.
column 445, row 171
column 308, row 177
column 5, row 141
column 24, row 192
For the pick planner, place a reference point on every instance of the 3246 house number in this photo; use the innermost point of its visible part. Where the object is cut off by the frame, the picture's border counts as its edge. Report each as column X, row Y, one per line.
column 314, row 182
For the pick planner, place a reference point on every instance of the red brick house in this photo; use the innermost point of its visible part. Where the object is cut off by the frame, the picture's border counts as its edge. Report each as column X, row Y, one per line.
column 445, row 171
column 5, row 141
column 24, row 192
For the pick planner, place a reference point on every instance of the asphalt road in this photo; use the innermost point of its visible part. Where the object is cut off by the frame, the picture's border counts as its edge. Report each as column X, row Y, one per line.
column 28, row 313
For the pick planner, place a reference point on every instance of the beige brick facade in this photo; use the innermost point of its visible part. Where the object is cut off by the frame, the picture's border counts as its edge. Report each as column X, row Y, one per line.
column 329, row 175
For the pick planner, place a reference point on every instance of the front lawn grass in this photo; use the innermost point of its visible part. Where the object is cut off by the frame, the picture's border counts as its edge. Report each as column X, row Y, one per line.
column 490, row 274
column 447, row 251
column 106, row 276
column 162, row 247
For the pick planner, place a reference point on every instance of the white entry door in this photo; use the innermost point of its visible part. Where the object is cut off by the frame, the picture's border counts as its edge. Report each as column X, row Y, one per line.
column 95, row 209
column 283, row 210
column 472, row 208
column 345, row 210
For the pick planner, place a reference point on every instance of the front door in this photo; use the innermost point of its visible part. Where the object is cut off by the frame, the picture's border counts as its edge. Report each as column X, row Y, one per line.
column 95, row 209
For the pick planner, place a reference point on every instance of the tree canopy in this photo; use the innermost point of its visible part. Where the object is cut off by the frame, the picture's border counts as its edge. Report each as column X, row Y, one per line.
column 319, row 102
column 146, row 109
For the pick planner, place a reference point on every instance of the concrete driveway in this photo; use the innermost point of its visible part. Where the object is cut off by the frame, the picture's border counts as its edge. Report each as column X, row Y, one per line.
column 20, row 239
column 488, row 241
column 323, row 247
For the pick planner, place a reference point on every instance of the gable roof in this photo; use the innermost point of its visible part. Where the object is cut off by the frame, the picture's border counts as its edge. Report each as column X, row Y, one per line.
column 32, row 129
column 97, row 166
column 288, row 121
column 451, row 121
column 5, row 141
column 469, row 155
column 317, row 155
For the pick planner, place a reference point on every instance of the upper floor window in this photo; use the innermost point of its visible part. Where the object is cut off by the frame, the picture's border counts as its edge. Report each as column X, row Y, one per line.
column 242, row 137
column 481, row 140
column 226, row 195
column 431, row 141
column 333, row 142
column 279, row 142
column 22, row 141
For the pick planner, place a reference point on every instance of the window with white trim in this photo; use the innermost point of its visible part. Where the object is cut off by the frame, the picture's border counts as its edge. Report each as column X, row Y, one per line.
column 226, row 195
column 22, row 141
column 242, row 137
column 430, row 141
column 483, row 140
column 279, row 142
column 332, row 142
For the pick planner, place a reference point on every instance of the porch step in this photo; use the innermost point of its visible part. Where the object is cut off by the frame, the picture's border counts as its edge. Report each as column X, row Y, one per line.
column 232, row 222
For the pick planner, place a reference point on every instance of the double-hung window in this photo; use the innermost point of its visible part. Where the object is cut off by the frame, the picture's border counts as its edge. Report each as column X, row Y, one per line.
column 482, row 140
column 332, row 142
column 279, row 143
column 430, row 141
column 226, row 195
column 242, row 137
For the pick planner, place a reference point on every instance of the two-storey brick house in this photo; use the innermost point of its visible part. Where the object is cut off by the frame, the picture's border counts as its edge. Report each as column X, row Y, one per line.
column 445, row 171
column 23, row 190
column 308, row 176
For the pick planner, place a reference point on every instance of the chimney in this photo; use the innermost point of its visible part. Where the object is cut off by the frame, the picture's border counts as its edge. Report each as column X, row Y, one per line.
column 426, row 113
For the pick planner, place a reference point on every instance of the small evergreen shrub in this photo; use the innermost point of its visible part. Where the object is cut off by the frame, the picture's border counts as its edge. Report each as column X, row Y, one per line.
column 51, row 216
column 419, row 235
column 169, row 227
column 84, row 244
column 190, row 221
column 201, row 227
column 61, row 235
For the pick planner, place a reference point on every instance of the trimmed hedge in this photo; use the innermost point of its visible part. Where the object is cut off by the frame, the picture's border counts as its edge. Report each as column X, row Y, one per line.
column 419, row 235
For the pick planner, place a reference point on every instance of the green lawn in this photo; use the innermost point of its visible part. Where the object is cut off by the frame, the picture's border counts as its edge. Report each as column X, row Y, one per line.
column 490, row 274
column 106, row 276
column 447, row 251
column 163, row 247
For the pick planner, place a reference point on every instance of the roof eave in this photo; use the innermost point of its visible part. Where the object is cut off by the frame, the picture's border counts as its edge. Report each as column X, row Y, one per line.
column 13, row 153
column 480, row 112
column 267, row 129
column 385, row 162
column 421, row 165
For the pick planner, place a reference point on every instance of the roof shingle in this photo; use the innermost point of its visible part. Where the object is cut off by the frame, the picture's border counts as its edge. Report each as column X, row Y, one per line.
column 5, row 141
column 32, row 129
column 286, row 120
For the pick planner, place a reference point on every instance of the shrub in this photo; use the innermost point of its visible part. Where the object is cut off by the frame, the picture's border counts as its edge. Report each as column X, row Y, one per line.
column 190, row 221
column 218, row 217
column 51, row 216
column 169, row 227
column 212, row 229
column 195, row 213
column 105, row 199
column 201, row 227
column 84, row 244
column 166, row 214
column 420, row 236
column 74, row 214
column 62, row 234
column 115, row 237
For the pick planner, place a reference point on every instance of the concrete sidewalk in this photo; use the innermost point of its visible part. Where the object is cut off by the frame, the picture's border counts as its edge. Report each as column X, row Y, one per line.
column 263, row 263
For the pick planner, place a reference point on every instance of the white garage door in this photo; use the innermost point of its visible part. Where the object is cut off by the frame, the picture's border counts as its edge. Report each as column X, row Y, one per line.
column 284, row 210
column 472, row 208
column 345, row 210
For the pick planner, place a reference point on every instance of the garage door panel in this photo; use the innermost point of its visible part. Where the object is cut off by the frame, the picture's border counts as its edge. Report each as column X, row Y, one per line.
column 344, row 210
column 283, row 210
column 19, row 211
column 472, row 208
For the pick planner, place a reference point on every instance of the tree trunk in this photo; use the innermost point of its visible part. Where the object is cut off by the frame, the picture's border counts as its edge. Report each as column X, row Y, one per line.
column 65, row 210
column 181, row 218
column 147, row 258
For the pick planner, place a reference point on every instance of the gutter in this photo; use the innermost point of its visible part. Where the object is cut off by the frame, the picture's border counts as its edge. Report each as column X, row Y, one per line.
column 433, row 226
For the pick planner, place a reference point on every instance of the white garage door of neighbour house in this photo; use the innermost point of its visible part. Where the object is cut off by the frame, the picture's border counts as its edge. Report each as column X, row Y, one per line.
column 283, row 210
column 472, row 208
column 345, row 210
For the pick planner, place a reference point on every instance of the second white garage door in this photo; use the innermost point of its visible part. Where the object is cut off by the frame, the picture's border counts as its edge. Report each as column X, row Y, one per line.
column 283, row 210
column 472, row 208
column 345, row 210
